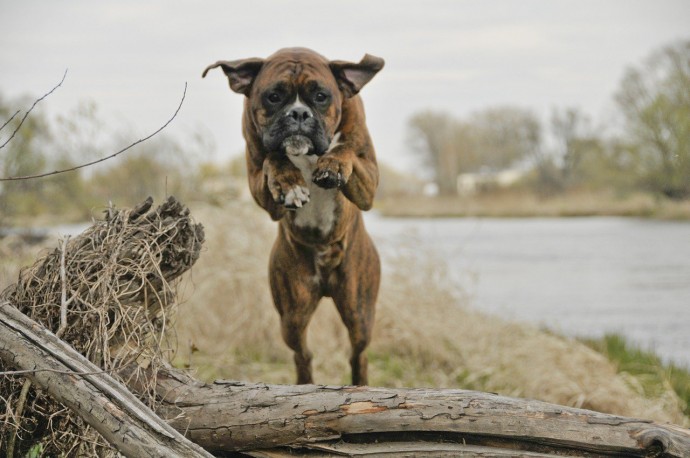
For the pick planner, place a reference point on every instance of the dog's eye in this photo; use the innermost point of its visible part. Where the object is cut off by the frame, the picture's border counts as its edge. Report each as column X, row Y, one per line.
column 274, row 97
column 320, row 97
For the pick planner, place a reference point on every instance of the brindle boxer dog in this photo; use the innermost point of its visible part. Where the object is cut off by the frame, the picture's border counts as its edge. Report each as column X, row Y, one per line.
column 312, row 167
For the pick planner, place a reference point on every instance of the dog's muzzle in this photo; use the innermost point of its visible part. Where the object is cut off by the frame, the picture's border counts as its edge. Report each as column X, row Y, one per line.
column 298, row 145
column 296, row 131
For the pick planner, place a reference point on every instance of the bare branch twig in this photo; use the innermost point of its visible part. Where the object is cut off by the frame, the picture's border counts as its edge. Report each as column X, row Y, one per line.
column 141, row 140
column 10, row 120
column 63, row 296
column 20, row 409
column 68, row 372
column 26, row 115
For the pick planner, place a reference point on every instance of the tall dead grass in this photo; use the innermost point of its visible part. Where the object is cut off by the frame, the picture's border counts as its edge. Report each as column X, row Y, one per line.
column 517, row 203
column 425, row 334
column 109, row 293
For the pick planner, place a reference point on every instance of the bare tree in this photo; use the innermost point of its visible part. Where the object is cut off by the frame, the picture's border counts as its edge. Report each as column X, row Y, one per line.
column 492, row 139
column 431, row 137
column 576, row 139
column 655, row 101
column 505, row 136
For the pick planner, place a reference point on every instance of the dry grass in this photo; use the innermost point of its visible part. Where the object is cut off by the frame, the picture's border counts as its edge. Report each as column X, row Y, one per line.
column 108, row 293
column 516, row 203
column 424, row 334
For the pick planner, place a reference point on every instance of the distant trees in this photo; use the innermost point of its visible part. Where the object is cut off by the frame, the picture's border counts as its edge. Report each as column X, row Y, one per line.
column 574, row 138
column 158, row 167
column 652, row 152
column 655, row 101
column 24, row 154
column 431, row 136
column 504, row 136
column 492, row 139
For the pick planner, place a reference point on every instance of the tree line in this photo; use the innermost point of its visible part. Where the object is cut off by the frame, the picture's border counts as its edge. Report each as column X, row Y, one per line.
column 650, row 151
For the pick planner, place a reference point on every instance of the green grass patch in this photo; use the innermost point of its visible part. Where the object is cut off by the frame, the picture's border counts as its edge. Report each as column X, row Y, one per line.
column 652, row 374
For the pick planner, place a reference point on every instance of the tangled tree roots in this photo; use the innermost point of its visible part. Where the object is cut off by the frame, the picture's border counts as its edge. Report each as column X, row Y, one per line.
column 109, row 293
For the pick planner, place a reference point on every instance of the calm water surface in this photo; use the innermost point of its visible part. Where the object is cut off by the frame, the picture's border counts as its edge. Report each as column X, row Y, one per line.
column 577, row 276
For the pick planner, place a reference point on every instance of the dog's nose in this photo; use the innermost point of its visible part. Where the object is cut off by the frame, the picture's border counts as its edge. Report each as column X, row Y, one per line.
column 300, row 114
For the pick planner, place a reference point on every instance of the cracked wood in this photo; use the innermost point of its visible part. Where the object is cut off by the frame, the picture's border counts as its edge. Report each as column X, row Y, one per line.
column 237, row 416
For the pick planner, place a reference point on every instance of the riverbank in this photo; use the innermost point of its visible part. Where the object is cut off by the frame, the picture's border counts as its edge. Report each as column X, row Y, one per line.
column 645, row 367
column 426, row 335
column 506, row 204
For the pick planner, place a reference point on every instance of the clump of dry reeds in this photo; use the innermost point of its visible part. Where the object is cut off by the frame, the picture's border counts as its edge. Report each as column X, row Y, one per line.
column 108, row 292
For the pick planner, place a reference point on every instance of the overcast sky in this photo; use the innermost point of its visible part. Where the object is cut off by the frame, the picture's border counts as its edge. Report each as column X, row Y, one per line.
column 132, row 58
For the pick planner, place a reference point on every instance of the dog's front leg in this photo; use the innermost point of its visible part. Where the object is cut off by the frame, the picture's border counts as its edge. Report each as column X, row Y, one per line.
column 276, row 185
column 295, row 294
column 350, row 162
column 356, row 175
column 285, row 182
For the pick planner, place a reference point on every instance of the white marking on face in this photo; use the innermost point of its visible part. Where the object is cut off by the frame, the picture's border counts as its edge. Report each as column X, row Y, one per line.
column 296, row 104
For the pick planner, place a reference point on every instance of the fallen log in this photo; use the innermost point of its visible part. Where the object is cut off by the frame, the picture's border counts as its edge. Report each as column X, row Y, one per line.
column 230, row 415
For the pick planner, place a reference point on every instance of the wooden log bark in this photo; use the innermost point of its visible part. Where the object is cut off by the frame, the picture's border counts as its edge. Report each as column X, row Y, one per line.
column 97, row 397
column 229, row 415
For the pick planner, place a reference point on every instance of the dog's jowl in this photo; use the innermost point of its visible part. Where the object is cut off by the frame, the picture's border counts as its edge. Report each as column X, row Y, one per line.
column 312, row 167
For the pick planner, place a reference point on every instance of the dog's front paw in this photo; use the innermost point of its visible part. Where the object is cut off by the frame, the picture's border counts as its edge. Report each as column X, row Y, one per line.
column 331, row 172
column 295, row 197
column 287, row 186
column 328, row 179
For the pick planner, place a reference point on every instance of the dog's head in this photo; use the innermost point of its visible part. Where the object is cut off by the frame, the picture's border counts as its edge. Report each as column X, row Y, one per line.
column 295, row 96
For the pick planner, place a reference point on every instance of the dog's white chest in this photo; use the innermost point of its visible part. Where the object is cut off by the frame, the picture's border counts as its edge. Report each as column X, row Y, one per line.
column 319, row 212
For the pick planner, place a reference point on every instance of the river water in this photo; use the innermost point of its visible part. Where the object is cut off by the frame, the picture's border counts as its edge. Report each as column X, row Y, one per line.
column 576, row 276
column 582, row 277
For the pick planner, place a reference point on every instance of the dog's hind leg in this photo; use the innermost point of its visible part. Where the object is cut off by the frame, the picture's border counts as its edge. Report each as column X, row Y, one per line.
column 358, row 316
column 296, row 297
column 355, row 299
column 294, row 330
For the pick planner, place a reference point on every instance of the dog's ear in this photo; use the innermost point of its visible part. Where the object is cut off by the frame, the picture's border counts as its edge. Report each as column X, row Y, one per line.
column 352, row 77
column 240, row 73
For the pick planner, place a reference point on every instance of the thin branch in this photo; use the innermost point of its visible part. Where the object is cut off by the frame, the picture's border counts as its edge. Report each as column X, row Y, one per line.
column 63, row 296
column 20, row 409
column 10, row 120
column 26, row 115
column 141, row 140
column 57, row 371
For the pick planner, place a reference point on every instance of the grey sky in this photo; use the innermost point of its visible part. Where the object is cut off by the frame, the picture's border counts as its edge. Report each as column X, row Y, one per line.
column 132, row 57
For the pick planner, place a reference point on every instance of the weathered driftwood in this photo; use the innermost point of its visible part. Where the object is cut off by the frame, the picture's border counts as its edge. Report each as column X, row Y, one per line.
column 229, row 415
column 104, row 403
